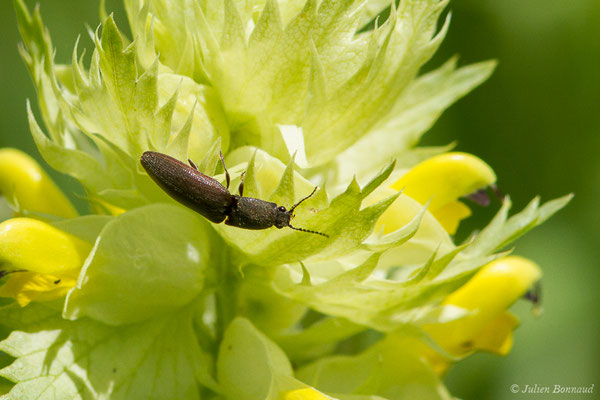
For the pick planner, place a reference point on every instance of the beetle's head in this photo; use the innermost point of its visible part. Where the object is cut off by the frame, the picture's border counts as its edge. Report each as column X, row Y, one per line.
column 282, row 217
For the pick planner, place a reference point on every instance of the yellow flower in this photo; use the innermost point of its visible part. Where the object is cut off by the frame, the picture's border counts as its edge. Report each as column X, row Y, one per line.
column 23, row 181
column 304, row 394
column 100, row 206
column 443, row 179
column 486, row 296
column 42, row 261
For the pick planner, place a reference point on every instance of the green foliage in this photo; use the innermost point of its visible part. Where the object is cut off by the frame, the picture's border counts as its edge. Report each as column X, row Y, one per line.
column 85, row 359
column 128, row 276
column 168, row 305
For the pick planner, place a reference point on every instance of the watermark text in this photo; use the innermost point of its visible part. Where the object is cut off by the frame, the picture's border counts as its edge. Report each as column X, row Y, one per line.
column 552, row 389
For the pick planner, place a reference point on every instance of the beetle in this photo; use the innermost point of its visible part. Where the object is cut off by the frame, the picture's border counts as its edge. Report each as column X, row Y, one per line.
column 208, row 197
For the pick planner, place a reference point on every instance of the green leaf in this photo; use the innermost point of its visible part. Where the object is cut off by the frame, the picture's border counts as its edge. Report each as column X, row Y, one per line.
column 268, row 311
column 248, row 362
column 293, row 63
column 355, row 106
column 318, row 339
column 343, row 219
column 59, row 359
column 379, row 303
column 390, row 369
column 284, row 193
column 372, row 9
column 119, row 75
column 429, row 237
column 86, row 227
column 102, row 119
column 413, row 113
column 81, row 165
column 37, row 52
column 146, row 262
column 173, row 34
column 179, row 145
column 398, row 237
column 503, row 230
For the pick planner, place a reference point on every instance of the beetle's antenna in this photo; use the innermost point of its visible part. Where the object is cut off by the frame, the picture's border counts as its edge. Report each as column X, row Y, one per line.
column 307, row 231
column 306, row 198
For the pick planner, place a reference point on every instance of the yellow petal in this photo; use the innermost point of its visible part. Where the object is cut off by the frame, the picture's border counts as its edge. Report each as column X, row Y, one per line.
column 450, row 215
column 487, row 295
column 497, row 336
column 497, row 285
column 35, row 246
column 443, row 179
column 429, row 237
column 32, row 286
column 23, row 180
column 438, row 363
column 304, row 394
column 100, row 206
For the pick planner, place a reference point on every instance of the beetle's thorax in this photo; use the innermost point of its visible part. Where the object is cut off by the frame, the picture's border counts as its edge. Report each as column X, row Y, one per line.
column 251, row 213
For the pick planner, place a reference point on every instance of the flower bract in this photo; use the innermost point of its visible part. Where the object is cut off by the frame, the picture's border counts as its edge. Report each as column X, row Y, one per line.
column 139, row 297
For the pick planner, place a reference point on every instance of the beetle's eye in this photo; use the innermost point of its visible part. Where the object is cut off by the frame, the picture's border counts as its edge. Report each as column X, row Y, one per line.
column 281, row 208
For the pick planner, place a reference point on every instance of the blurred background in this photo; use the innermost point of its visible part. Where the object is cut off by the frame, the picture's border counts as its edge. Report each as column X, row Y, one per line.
column 536, row 122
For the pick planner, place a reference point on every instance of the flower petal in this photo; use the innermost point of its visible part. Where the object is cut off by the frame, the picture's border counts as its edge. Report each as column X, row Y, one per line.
column 430, row 235
column 443, row 179
column 305, row 394
column 23, row 180
column 487, row 295
column 43, row 261
column 497, row 336
column 27, row 286
column 450, row 215
column 35, row 246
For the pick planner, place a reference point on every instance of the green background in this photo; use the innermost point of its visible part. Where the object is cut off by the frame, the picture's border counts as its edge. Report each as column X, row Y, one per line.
column 536, row 122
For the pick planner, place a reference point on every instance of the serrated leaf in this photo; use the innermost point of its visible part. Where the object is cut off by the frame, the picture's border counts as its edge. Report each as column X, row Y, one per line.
column 270, row 68
column 164, row 116
column 53, row 355
column 358, row 274
column 502, row 230
column 284, row 193
column 178, row 147
column 105, row 117
column 414, row 112
column 349, row 115
column 251, row 188
column 79, row 164
column 384, row 304
column 398, row 237
column 343, row 220
column 208, row 165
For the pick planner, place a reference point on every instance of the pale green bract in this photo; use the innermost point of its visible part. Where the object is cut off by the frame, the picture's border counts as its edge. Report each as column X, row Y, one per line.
column 295, row 93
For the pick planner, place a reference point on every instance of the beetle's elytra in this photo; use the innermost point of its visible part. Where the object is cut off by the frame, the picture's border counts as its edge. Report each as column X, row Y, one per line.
column 212, row 200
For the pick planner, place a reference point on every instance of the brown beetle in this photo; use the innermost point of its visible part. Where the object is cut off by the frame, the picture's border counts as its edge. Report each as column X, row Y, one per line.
column 212, row 200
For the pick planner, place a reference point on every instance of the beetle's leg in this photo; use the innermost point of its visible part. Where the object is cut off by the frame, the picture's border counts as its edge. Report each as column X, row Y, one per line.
column 241, row 187
column 192, row 164
column 227, row 178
